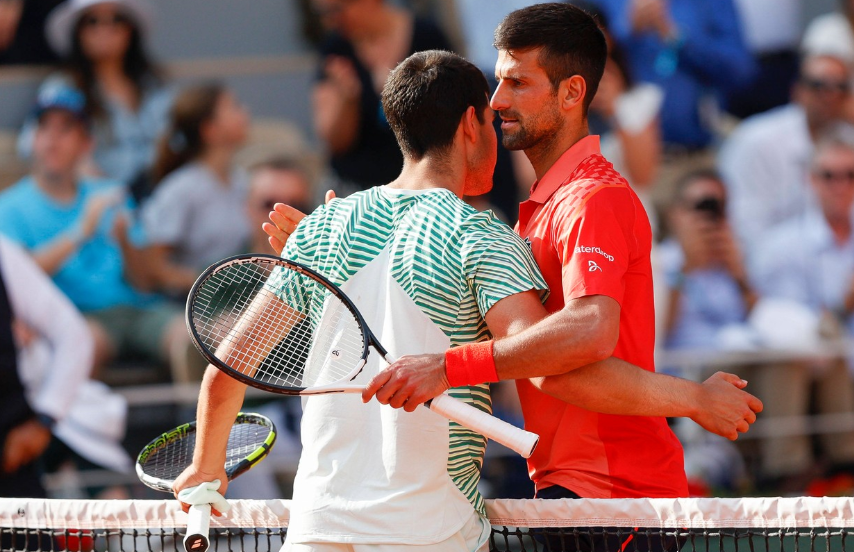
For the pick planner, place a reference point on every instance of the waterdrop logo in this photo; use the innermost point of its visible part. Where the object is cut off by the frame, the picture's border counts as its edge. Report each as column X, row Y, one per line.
column 593, row 267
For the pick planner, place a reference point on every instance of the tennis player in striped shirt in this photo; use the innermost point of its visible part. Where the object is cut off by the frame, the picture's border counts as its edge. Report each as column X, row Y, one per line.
column 428, row 272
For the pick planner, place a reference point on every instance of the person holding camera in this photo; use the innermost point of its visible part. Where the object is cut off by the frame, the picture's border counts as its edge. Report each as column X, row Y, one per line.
column 704, row 267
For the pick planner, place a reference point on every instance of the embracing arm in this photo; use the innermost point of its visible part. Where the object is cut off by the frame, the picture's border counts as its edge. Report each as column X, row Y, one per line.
column 546, row 350
column 583, row 332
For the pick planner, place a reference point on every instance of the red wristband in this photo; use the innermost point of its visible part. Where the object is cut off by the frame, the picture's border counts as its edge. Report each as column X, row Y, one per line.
column 471, row 364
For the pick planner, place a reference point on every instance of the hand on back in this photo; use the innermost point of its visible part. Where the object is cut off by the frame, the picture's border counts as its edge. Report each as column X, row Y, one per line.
column 283, row 221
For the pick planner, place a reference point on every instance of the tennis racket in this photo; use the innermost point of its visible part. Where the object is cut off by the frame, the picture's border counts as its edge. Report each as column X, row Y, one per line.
column 166, row 457
column 277, row 325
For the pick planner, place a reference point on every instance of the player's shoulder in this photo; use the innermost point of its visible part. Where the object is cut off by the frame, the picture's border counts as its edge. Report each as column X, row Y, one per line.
column 594, row 182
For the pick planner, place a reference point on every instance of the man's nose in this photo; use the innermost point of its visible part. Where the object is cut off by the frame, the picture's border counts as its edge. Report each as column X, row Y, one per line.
column 499, row 98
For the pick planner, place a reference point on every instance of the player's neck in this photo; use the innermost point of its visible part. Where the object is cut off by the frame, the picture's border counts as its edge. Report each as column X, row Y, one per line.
column 430, row 173
column 547, row 152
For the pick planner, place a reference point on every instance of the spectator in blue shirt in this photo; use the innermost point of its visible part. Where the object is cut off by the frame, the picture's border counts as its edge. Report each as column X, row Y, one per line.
column 691, row 48
column 76, row 231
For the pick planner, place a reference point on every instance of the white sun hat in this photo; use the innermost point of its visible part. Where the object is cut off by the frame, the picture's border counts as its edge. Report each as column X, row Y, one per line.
column 62, row 19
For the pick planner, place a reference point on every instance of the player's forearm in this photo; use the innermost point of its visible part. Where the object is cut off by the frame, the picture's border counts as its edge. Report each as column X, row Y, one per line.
column 614, row 386
column 567, row 340
column 220, row 399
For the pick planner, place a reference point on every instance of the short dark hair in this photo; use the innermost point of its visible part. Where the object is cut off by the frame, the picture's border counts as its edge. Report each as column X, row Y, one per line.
column 426, row 96
column 572, row 42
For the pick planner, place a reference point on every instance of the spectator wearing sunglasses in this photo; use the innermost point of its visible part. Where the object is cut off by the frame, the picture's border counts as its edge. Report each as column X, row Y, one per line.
column 103, row 47
column 766, row 160
column 809, row 260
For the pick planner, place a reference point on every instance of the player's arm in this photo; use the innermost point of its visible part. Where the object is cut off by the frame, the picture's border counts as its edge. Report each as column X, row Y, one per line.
column 220, row 399
column 611, row 386
column 614, row 386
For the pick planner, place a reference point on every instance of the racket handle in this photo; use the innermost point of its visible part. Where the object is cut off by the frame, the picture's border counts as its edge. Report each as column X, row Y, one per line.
column 512, row 437
column 198, row 528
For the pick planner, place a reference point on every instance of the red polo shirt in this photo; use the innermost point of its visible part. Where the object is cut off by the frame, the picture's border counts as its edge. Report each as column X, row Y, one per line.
column 591, row 236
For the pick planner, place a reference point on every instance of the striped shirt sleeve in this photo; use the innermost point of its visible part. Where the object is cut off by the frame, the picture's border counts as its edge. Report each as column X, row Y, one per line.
column 498, row 264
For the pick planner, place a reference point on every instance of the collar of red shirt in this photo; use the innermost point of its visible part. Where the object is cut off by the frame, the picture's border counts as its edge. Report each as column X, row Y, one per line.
column 557, row 175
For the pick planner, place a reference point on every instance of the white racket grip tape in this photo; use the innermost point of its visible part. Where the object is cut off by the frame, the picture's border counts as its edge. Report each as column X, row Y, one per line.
column 197, row 538
column 512, row 437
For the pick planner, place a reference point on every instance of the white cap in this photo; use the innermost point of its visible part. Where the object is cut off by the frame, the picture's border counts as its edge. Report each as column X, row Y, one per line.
column 62, row 19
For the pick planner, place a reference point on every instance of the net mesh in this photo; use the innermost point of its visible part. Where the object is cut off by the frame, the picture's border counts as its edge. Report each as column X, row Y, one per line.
column 749, row 524
column 276, row 325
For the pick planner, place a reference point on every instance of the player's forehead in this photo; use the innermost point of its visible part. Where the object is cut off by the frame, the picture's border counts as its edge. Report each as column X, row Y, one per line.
column 516, row 63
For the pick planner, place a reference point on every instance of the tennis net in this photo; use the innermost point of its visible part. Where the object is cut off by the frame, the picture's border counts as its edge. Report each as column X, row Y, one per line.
column 745, row 524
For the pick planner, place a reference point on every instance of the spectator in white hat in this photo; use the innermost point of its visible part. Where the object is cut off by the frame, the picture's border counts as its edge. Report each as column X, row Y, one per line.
column 103, row 46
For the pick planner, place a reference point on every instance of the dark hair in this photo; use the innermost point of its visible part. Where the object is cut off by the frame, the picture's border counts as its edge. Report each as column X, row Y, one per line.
column 182, row 141
column 426, row 96
column 137, row 67
column 571, row 41
column 615, row 51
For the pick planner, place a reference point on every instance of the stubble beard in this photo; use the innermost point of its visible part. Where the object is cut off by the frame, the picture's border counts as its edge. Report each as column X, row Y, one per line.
column 542, row 129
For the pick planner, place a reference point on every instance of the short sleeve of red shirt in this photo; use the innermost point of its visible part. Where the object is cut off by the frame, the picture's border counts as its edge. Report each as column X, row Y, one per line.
column 594, row 246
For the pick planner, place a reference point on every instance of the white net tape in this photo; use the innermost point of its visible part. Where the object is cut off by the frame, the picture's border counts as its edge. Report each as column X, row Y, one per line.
column 683, row 513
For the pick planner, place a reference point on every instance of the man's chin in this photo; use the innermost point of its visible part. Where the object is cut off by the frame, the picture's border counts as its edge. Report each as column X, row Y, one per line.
column 512, row 144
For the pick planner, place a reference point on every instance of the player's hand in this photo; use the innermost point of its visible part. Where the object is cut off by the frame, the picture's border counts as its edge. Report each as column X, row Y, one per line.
column 724, row 407
column 284, row 219
column 24, row 443
column 409, row 382
column 193, row 476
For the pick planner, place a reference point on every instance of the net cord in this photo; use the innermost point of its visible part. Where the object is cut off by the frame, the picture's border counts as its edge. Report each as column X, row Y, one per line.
column 683, row 513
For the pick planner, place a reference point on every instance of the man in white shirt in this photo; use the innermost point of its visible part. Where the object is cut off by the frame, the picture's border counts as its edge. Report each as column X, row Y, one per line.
column 810, row 260
column 765, row 161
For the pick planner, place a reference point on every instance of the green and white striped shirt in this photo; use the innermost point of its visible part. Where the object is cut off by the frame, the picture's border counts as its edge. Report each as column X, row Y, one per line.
column 416, row 264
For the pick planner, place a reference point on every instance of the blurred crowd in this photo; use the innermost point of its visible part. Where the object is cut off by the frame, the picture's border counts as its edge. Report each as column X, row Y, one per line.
column 732, row 119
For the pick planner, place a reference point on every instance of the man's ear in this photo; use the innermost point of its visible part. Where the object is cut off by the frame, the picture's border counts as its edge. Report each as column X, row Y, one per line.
column 571, row 92
column 470, row 124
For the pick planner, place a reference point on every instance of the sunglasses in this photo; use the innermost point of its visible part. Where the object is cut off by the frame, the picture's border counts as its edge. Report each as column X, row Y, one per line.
column 835, row 176
column 819, row 85
column 105, row 20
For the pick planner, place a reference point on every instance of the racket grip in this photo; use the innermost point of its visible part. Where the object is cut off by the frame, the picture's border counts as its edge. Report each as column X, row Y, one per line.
column 512, row 437
column 198, row 528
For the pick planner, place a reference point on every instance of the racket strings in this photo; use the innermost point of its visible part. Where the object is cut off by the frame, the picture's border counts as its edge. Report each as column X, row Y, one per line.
column 173, row 454
column 278, row 325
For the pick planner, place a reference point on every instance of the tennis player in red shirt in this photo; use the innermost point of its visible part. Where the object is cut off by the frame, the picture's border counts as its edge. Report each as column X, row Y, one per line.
column 591, row 238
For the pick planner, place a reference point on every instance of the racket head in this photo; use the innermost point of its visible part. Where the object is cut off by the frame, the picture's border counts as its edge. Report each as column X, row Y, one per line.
column 321, row 338
column 163, row 459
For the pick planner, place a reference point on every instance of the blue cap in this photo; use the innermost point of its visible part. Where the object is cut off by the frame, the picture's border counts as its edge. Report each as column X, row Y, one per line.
column 61, row 97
